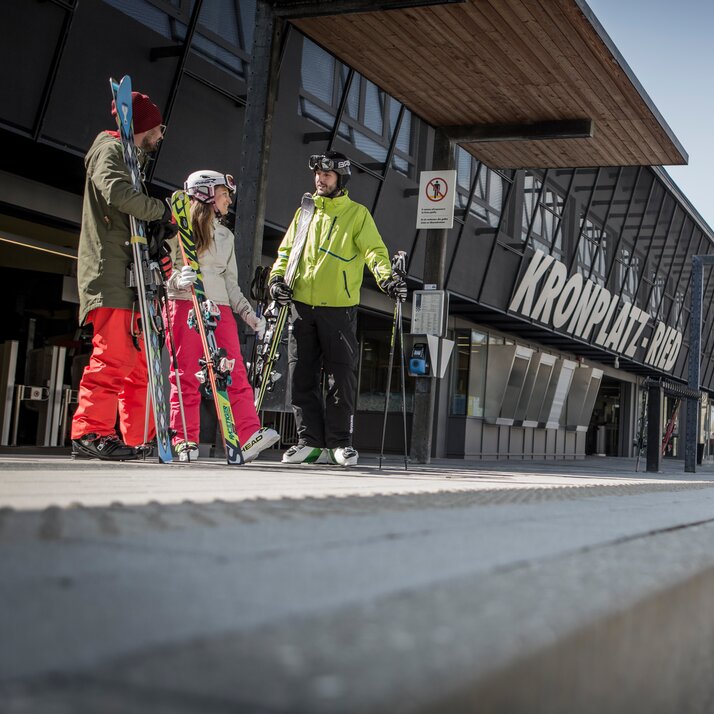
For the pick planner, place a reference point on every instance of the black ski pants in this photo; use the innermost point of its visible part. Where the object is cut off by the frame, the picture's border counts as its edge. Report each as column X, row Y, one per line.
column 324, row 339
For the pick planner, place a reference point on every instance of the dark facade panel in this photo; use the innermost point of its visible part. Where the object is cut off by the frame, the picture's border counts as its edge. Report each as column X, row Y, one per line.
column 102, row 42
column 28, row 60
column 209, row 139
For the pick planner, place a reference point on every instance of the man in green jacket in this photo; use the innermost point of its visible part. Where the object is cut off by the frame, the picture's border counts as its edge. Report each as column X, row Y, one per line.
column 115, row 379
column 342, row 238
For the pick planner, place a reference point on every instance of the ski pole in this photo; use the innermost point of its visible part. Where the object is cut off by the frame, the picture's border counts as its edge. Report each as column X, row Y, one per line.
column 404, row 387
column 399, row 264
column 174, row 362
column 389, row 381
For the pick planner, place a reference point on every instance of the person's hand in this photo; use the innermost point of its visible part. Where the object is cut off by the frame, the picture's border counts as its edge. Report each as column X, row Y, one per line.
column 280, row 291
column 395, row 287
column 158, row 232
column 168, row 215
column 187, row 278
column 258, row 325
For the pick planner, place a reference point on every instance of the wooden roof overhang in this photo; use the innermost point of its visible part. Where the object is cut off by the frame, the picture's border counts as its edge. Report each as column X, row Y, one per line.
column 518, row 83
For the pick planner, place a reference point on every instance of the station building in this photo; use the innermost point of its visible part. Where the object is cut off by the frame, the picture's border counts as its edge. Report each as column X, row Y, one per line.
column 568, row 269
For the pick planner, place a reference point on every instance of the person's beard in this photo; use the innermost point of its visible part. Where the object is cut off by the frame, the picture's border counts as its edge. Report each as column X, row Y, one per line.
column 148, row 146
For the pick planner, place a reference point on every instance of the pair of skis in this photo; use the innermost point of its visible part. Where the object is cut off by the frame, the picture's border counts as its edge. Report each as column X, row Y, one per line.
column 276, row 315
column 144, row 273
column 215, row 365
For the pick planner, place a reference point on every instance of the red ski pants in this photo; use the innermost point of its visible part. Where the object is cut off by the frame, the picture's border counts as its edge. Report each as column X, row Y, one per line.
column 188, row 351
column 114, row 380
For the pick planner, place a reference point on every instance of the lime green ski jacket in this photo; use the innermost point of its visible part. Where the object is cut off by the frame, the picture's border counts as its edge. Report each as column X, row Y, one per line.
column 341, row 240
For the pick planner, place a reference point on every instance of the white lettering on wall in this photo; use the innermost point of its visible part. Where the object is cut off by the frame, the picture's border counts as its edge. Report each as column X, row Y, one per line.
column 589, row 311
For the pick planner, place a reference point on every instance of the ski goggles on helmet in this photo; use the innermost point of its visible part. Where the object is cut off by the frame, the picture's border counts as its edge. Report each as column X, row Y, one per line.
column 320, row 162
column 230, row 183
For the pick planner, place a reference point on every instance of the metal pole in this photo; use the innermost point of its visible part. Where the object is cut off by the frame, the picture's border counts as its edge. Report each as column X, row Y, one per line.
column 389, row 381
column 654, row 428
column 691, row 434
column 434, row 273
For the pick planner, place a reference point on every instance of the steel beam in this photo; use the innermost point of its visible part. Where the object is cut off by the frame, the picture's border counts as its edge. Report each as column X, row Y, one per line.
column 691, row 436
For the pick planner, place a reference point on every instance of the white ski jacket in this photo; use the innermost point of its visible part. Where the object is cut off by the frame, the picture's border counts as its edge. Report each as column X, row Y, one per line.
column 220, row 275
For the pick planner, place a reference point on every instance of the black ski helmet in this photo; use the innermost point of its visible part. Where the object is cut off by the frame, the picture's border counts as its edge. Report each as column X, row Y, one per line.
column 332, row 161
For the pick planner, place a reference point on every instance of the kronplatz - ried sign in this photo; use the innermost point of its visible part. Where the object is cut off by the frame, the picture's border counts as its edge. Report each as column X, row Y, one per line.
column 437, row 190
column 590, row 312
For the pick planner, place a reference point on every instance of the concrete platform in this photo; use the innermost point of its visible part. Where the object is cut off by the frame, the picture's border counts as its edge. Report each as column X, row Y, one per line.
column 487, row 587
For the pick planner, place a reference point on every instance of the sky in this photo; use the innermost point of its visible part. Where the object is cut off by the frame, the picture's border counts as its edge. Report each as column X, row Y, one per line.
column 669, row 45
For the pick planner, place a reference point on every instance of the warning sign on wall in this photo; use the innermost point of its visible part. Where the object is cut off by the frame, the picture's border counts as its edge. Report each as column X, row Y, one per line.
column 436, row 199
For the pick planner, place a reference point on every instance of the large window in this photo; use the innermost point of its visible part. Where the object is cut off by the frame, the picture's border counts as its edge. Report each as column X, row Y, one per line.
column 371, row 116
column 627, row 274
column 591, row 257
column 489, row 190
column 373, row 372
column 468, row 374
column 542, row 214
column 224, row 35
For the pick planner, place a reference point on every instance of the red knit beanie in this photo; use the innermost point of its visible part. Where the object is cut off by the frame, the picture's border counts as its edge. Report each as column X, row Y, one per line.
column 146, row 114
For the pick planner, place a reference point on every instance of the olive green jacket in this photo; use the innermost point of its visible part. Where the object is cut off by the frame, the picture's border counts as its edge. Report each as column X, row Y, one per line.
column 341, row 240
column 104, row 248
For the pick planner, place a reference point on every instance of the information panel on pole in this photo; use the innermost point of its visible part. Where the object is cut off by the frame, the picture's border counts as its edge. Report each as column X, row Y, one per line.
column 428, row 312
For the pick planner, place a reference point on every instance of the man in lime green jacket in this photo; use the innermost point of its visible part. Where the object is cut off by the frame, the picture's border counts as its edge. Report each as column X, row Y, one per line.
column 342, row 238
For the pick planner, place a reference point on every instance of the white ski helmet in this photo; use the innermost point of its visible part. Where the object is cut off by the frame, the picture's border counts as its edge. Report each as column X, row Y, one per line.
column 202, row 185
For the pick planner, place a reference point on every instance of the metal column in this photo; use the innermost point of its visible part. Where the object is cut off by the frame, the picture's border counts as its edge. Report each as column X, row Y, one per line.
column 691, row 436
column 654, row 428
column 434, row 272
column 262, row 89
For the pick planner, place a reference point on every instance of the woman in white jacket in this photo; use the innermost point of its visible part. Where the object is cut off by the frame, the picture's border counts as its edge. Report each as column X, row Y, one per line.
column 211, row 196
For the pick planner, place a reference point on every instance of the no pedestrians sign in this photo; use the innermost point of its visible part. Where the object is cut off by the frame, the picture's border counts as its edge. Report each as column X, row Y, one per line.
column 437, row 190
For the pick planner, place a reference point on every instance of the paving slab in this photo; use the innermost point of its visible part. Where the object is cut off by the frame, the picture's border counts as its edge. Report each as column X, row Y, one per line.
column 203, row 587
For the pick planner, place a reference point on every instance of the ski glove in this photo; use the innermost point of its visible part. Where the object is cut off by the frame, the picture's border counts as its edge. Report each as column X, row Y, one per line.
column 395, row 287
column 186, row 278
column 280, row 291
column 258, row 325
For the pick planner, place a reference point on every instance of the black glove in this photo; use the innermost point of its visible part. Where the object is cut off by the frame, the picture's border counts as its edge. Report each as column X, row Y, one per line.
column 280, row 291
column 168, row 215
column 395, row 287
column 158, row 232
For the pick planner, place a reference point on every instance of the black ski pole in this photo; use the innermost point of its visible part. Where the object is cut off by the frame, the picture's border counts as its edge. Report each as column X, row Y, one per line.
column 389, row 380
column 399, row 268
column 404, row 386
column 399, row 264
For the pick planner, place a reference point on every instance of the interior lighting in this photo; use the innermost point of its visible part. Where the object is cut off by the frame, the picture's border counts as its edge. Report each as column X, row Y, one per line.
column 38, row 245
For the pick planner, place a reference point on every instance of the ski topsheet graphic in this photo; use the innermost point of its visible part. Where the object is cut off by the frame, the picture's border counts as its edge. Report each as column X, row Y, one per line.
column 144, row 273
column 215, row 365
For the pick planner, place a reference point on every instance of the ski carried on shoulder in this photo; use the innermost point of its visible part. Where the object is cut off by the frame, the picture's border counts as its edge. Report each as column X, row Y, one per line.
column 276, row 316
column 144, row 273
column 215, row 372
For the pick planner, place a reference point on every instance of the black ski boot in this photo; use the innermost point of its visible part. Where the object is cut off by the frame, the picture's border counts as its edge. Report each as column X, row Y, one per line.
column 108, row 448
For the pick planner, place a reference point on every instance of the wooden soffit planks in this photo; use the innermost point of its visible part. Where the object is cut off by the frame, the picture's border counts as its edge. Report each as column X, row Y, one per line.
column 493, row 63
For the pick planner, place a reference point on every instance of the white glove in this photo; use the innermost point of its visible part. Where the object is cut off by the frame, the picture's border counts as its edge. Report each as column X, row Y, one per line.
column 187, row 278
column 258, row 325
